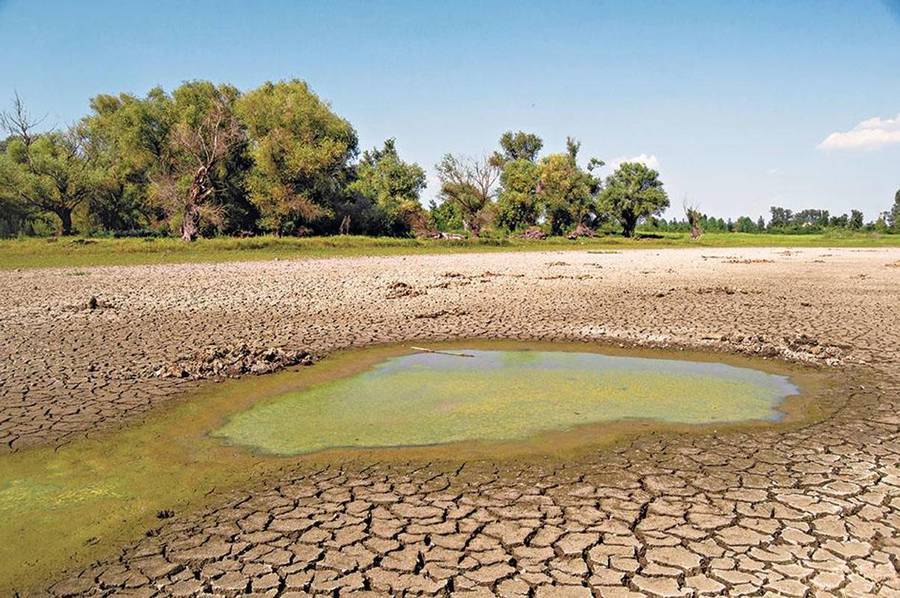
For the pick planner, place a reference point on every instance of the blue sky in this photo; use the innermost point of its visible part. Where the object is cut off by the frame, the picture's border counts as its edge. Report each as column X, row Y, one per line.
column 731, row 101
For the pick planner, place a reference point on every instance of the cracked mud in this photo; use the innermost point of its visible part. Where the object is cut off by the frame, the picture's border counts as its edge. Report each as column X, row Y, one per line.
column 812, row 510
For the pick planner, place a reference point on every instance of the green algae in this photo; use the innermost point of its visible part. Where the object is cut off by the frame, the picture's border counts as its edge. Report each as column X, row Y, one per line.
column 428, row 398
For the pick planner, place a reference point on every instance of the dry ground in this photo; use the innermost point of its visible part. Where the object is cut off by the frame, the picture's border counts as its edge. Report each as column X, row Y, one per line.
column 789, row 512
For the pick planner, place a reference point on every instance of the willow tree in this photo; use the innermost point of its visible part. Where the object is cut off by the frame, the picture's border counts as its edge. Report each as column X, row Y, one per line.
column 470, row 184
column 301, row 153
column 566, row 192
column 517, row 204
column 392, row 185
column 47, row 172
column 203, row 139
column 632, row 193
column 127, row 137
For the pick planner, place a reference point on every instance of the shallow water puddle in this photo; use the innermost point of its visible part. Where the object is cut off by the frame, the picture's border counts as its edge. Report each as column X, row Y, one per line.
column 429, row 398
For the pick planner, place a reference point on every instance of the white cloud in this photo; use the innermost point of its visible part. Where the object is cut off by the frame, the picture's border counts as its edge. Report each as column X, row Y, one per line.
column 650, row 161
column 869, row 134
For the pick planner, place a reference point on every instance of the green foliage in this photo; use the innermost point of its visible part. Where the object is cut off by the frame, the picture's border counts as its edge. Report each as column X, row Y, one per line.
column 519, row 146
column 392, row 185
column 301, row 152
column 633, row 193
column 566, row 192
column 554, row 190
column 517, row 202
column 810, row 221
column 745, row 224
column 893, row 218
column 200, row 177
column 209, row 160
column 842, row 221
column 49, row 173
column 181, row 156
column 445, row 216
column 127, row 137
column 470, row 185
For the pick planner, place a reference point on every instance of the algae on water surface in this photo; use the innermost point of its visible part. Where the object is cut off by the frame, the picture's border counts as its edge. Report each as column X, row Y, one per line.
column 429, row 398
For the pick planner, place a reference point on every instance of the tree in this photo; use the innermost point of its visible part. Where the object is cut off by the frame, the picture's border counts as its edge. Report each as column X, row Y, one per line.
column 48, row 171
column 301, row 152
column 392, row 185
column 893, row 218
column 781, row 217
column 519, row 146
column 565, row 191
column 856, row 220
column 470, row 184
column 517, row 202
column 128, row 137
column 745, row 224
column 693, row 217
column 633, row 192
column 445, row 216
column 841, row 221
column 761, row 224
column 202, row 141
column 810, row 219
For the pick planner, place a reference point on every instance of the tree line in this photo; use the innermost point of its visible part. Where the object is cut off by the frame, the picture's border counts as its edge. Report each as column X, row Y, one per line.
column 785, row 221
column 208, row 159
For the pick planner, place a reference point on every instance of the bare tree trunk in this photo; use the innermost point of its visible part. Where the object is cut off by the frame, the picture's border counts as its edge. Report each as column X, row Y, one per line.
column 473, row 226
column 190, row 222
column 695, row 231
column 65, row 214
column 629, row 223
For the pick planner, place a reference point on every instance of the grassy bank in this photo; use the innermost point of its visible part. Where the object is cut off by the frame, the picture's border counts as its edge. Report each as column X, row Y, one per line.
column 78, row 252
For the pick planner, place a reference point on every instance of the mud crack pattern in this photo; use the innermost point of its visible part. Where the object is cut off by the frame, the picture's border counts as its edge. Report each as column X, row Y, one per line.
column 810, row 511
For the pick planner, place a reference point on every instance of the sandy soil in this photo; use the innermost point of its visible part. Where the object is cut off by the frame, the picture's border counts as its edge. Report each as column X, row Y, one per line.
column 816, row 508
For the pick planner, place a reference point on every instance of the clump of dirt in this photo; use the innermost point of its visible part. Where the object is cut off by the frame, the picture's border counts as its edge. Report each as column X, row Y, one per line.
column 748, row 261
column 233, row 362
column 724, row 290
column 398, row 290
column 534, row 232
column 802, row 348
column 93, row 303
column 563, row 276
column 458, row 279
column 582, row 230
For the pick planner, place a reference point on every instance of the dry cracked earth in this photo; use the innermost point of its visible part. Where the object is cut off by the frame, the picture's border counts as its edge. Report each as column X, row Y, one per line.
column 804, row 511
